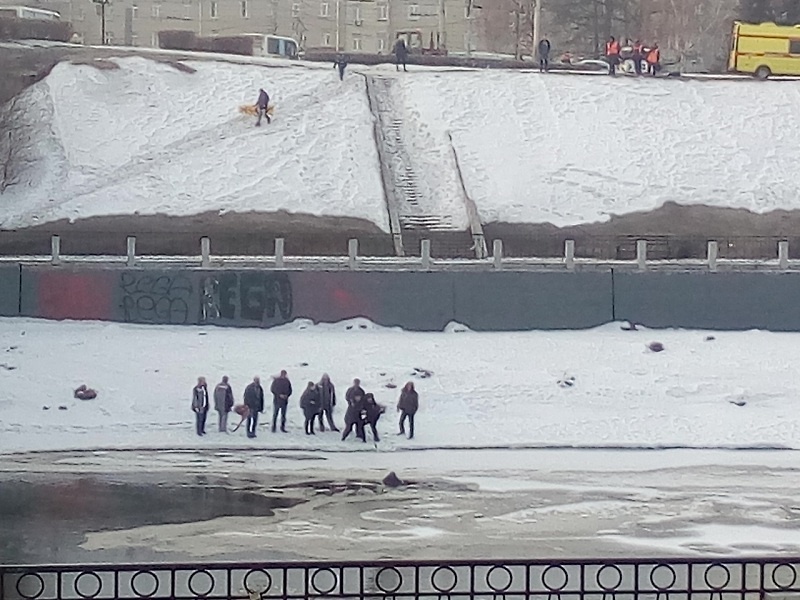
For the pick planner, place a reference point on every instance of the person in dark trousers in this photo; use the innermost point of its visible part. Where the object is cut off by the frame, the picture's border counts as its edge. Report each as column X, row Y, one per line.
column 612, row 55
column 372, row 412
column 327, row 399
column 281, row 390
column 400, row 54
column 638, row 56
column 653, row 60
column 200, row 405
column 544, row 55
column 309, row 403
column 223, row 402
column 254, row 401
column 262, row 104
column 354, row 419
column 407, row 406
column 341, row 64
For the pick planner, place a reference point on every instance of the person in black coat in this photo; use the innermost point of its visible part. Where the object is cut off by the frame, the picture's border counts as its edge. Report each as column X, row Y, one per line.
column 200, row 405
column 281, row 390
column 353, row 418
column 327, row 399
column 544, row 55
column 262, row 104
column 407, row 406
column 372, row 412
column 310, row 404
column 400, row 54
column 254, row 401
column 341, row 64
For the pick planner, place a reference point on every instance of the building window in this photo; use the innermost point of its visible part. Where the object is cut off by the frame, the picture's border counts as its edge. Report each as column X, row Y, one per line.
column 413, row 12
column 794, row 46
column 187, row 2
column 214, row 10
column 357, row 44
column 324, row 9
column 295, row 10
column 383, row 12
column 381, row 44
column 81, row 15
column 134, row 11
column 326, row 39
column 155, row 11
column 243, row 9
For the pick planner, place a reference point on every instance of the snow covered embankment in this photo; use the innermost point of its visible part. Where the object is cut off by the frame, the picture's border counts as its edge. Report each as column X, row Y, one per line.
column 148, row 138
column 570, row 150
column 732, row 391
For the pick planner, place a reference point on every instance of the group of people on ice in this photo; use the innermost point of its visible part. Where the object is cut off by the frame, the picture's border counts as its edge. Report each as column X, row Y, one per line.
column 317, row 402
column 644, row 58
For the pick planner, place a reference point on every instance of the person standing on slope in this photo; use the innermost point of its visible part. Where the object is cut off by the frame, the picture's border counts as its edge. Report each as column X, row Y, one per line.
column 327, row 398
column 341, row 64
column 254, row 401
column 200, row 405
column 262, row 105
column 612, row 55
column 223, row 402
column 309, row 403
column 544, row 55
column 400, row 54
column 407, row 406
column 281, row 390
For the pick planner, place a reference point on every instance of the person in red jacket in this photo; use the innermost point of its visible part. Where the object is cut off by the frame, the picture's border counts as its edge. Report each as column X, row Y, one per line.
column 612, row 55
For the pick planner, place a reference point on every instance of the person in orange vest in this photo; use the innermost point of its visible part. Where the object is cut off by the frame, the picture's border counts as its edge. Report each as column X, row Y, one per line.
column 612, row 55
column 638, row 56
column 653, row 60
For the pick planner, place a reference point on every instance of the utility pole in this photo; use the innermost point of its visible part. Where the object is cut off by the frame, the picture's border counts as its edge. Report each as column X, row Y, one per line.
column 102, row 4
column 517, row 18
column 537, row 24
column 442, row 41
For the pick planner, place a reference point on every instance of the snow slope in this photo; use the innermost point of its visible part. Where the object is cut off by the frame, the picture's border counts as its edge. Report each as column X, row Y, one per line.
column 570, row 149
column 486, row 389
column 147, row 138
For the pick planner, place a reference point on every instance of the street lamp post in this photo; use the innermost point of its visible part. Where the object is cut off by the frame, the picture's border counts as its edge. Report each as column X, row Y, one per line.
column 102, row 4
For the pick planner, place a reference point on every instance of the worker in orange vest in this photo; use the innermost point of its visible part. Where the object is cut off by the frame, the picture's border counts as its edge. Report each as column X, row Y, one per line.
column 612, row 55
column 638, row 56
column 653, row 60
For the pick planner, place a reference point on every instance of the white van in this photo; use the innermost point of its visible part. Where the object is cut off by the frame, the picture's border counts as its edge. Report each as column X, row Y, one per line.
column 273, row 45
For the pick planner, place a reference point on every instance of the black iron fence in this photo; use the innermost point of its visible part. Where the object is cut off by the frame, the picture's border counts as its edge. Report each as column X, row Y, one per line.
column 618, row 579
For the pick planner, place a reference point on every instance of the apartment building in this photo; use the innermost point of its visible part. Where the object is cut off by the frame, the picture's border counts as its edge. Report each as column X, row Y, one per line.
column 370, row 26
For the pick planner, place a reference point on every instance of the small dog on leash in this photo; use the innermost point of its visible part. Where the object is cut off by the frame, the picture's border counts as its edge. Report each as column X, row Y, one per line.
column 244, row 412
column 251, row 110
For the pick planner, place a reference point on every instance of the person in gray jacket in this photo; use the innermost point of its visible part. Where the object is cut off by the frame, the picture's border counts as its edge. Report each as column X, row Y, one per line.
column 327, row 397
column 223, row 402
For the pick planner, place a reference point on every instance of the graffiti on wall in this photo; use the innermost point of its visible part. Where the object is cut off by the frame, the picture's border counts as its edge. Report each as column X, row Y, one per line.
column 254, row 297
column 150, row 298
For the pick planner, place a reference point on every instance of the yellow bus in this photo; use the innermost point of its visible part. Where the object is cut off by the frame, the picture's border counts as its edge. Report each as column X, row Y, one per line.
column 765, row 49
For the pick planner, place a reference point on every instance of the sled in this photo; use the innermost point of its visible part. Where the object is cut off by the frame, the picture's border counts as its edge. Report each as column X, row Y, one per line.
column 251, row 110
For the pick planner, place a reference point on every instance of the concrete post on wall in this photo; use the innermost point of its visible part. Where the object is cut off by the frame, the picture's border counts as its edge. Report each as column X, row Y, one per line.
column 783, row 255
column 425, row 253
column 205, row 252
column 352, row 253
column 131, row 246
column 55, row 250
column 279, row 248
column 569, row 254
column 711, row 254
column 641, row 254
column 497, row 254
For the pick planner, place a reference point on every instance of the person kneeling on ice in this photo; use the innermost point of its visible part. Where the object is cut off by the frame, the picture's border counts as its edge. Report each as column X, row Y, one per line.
column 310, row 404
column 371, row 414
column 262, row 104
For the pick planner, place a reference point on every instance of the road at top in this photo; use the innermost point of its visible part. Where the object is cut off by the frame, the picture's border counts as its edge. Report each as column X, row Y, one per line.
column 460, row 504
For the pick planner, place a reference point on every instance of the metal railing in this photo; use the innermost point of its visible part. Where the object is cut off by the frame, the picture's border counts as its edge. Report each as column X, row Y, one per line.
column 578, row 579
column 424, row 262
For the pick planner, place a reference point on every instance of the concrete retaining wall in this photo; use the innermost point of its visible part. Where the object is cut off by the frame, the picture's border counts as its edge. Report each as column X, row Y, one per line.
column 483, row 301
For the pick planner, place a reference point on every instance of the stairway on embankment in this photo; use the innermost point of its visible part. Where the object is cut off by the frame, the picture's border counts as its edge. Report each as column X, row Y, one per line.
column 421, row 204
